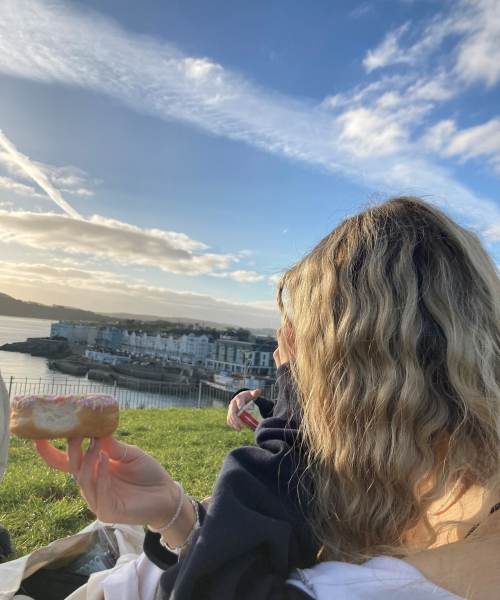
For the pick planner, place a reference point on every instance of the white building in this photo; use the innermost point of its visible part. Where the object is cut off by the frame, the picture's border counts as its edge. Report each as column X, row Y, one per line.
column 74, row 332
column 189, row 349
column 234, row 356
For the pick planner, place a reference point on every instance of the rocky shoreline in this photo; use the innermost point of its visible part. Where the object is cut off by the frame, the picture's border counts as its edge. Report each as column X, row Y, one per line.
column 45, row 347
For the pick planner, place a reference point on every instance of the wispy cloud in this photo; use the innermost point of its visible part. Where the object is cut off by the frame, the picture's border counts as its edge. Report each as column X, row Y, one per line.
column 242, row 276
column 37, row 175
column 360, row 11
column 475, row 24
column 388, row 53
column 368, row 134
column 101, row 290
column 69, row 179
column 21, row 189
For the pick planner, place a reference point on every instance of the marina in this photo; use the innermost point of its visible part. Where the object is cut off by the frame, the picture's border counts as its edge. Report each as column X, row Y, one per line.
column 25, row 374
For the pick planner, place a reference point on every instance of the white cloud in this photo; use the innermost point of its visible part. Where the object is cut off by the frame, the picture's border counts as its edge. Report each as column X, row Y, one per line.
column 154, row 78
column 473, row 142
column 79, row 192
column 246, row 276
column 479, row 54
column 360, row 11
column 366, row 134
column 438, row 135
column 199, row 68
column 476, row 141
column 275, row 279
column 107, row 238
column 240, row 275
column 389, row 52
column 101, row 290
column 75, row 180
column 21, row 189
column 476, row 24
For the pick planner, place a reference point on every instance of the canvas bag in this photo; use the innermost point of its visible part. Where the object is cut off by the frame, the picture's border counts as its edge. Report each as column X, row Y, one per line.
column 130, row 539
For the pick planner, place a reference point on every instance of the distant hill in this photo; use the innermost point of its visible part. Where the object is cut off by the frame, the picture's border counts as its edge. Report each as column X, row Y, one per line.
column 202, row 322
column 11, row 307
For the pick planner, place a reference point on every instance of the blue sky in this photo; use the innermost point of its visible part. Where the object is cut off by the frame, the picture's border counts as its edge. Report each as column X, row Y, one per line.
column 172, row 158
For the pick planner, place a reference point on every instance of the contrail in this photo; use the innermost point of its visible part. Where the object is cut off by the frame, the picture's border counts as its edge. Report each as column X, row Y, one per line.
column 37, row 175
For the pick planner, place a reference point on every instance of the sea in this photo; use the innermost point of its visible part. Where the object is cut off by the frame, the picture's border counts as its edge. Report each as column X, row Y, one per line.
column 15, row 364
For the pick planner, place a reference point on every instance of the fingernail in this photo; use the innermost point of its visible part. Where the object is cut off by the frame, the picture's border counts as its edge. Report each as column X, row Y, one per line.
column 99, row 458
column 92, row 442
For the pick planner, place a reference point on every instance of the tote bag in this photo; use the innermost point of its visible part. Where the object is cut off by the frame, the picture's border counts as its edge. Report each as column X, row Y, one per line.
column 128, row 537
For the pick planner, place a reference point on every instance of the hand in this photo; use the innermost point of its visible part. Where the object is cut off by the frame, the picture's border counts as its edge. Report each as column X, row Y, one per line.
column 136, row 490
column 236, row 404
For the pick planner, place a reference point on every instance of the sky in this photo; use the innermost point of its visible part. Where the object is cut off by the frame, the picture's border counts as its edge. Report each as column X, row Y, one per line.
column 174, row 157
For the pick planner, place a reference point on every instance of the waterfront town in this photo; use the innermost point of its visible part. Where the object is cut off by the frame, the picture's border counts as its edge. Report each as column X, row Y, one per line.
column 231, row 361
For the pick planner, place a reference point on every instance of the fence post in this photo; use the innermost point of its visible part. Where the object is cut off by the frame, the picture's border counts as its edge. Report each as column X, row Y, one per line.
column 114, row 389
column 10, row 384
column 199, row 394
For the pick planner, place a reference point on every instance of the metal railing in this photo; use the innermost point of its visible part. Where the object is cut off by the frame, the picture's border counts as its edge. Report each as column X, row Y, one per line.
column 149, row 395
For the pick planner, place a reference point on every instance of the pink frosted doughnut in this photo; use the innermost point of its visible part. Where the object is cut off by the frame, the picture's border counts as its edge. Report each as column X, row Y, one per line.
column 46, row 416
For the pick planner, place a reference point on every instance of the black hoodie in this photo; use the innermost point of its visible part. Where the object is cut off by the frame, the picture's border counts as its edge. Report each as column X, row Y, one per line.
column 255, row 531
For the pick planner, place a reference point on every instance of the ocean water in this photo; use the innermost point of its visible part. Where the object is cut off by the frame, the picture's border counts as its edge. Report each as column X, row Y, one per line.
column 15, row 364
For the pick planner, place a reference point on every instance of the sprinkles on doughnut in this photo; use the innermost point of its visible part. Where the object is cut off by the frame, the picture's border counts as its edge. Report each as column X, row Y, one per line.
column 46, row 416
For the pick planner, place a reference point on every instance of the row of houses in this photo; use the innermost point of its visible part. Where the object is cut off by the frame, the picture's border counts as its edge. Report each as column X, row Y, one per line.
column 189, row 348
column 227, row 354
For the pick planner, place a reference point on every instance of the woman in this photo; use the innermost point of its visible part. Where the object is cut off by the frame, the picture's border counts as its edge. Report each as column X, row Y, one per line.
column 392, row 455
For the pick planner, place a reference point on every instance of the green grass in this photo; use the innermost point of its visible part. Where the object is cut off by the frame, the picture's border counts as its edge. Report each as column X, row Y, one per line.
column 39, row 505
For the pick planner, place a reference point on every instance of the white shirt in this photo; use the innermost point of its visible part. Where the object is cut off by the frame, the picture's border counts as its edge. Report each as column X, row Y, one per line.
column 381, row 578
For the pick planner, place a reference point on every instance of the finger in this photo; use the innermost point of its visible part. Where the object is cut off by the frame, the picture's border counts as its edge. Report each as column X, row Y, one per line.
column 229, row 417
column 120, row 451
column 242, row 399
column 75, row 455
column 53, row 457
column 86, row 475
column 232, row 417
column 116, row 450
column 104, row 493
column 238, row 423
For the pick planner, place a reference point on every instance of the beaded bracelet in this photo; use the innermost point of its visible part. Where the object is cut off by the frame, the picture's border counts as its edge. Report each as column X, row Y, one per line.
column 178, row 549
column 177, row 512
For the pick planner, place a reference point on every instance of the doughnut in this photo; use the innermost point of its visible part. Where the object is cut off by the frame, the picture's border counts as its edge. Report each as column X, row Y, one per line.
column 46, row 416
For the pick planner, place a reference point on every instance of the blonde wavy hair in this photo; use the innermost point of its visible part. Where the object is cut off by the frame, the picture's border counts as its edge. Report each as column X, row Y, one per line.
column 396, row 325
